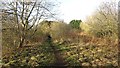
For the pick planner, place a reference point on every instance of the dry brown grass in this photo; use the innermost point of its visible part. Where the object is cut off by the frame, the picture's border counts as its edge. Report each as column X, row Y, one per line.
column 95, row 40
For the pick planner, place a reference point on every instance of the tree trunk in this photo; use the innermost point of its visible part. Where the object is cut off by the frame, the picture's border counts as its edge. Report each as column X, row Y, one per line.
column 21, row 42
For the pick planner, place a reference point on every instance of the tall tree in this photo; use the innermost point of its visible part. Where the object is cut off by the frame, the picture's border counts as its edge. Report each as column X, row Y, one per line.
column 75, row 23
column 27, row 15
column 104, row 22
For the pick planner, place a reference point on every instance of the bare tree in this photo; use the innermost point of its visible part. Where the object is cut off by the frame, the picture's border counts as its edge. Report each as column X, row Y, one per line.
column 106, row 19
column 27, row 15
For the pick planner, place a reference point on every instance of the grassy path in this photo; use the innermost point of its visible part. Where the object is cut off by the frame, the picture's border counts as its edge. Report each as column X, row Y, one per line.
column 59, row 59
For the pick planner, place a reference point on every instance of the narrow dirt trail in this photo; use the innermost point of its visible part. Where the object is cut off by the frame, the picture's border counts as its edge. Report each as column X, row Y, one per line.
column 59, row 58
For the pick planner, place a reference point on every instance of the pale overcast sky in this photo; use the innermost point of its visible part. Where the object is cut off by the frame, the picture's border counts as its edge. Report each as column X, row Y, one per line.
column 78, row 9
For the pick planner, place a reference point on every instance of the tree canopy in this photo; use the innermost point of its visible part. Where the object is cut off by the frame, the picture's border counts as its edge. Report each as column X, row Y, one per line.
column 75, row 24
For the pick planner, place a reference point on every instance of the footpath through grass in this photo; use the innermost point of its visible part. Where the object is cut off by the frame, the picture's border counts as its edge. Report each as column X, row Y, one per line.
column 65, row 54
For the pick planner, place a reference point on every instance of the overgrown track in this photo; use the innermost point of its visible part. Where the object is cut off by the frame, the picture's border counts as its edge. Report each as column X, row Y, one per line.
column 59, row 59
